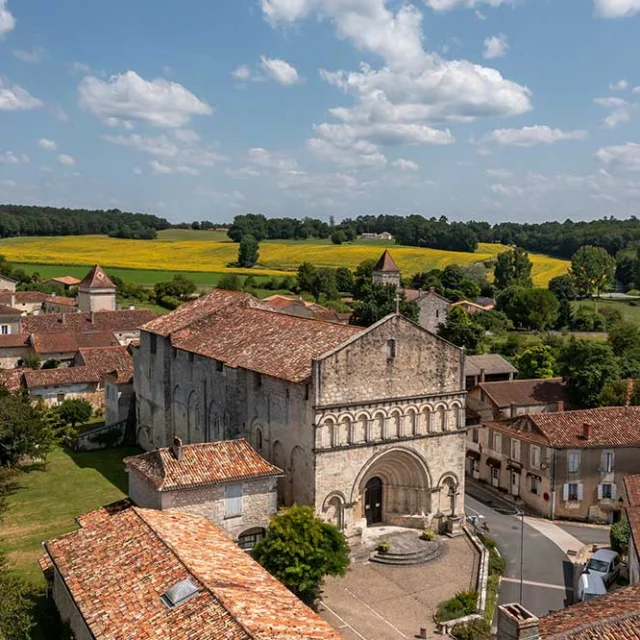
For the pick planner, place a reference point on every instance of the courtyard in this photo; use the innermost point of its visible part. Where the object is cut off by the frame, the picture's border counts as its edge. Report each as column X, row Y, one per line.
column 380, row 602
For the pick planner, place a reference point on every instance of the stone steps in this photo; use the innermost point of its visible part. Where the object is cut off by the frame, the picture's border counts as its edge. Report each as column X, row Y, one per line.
column 406, row 557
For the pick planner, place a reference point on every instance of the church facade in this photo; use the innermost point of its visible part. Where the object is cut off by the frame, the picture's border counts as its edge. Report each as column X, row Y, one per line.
column 367, row 424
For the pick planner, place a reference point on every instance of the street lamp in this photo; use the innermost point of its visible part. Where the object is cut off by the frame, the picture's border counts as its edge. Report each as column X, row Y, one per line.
column 520, row 512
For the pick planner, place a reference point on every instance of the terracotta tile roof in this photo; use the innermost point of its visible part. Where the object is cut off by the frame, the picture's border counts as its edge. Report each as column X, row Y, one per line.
column 301, row 308
column 516, row 430
column 632, row 487
column 96, row 279
column 71, row 302
column 69, row 281
column 386, row 263
column 122, row 560
column 615, row 616
column 610, row 427
column 525, row 392
column 6, row 310
column 14, row 340
column 121, row 320
column 12, row 378
column 472, row 305
column 22, row 296
column 202, row 464
column 120, row 376
column 492, row 363
column 61, row 376
column 44, row 343
column 105, row 359
column 96, row 339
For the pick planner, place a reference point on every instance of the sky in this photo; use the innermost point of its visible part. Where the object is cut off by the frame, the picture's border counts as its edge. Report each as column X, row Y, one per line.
column 523, row 110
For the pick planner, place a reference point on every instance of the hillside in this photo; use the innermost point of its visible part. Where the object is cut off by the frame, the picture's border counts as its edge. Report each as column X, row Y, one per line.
column 208, row 252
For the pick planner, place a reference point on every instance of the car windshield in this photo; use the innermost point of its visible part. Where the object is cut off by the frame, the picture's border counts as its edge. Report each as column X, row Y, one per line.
column 598, row 565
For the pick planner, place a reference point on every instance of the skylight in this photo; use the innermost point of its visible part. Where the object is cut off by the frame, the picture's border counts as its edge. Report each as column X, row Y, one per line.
column 179, row 593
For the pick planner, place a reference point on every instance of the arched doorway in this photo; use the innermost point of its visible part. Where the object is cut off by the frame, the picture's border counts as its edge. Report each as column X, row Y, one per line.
column 373, row 501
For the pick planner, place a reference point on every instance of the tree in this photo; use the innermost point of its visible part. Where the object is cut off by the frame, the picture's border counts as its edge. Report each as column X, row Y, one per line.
column 75, row 411
column 593, row 269
column 31, row 361
column 338, row 237
column 306, row 273
column 230, row 282
column 324, row 282
column 180, row 287
column 52, row 363
column 461, row 329
column 344, row 280
column 563, row 288
column 586, row 367
column 513, row 269
column 535, row 309
column 248, row 251
column 537, row 361
column 615, row 394
column 363, row 278
column 300, row 550
column 378, row 301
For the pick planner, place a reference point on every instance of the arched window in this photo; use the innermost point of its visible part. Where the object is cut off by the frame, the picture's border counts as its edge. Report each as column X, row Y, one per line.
column 258, row 440
column 441, row 424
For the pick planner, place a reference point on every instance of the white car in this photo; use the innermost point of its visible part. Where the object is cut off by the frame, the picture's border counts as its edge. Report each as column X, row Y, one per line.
column 606, row 564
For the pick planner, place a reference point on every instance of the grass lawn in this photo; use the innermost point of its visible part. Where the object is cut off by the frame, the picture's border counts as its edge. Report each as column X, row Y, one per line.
column 46, row 501
column 629, row 313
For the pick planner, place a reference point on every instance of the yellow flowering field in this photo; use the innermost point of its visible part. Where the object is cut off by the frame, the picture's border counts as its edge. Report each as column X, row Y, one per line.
column 200, row 253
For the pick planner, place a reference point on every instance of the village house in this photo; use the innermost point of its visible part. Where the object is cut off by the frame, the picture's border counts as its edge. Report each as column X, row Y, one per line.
column 632, row 512
column 64, row 347
column 14, row 347
column 472, row 307
column 60, row 304
column 367, row 424
column 433, row 307
column 226, row 481
column 26, row 302
column 134, row 573
column 512, row 398
column 489, row 367
column 566, row 464
column 7, row 284
column 9, row 320
column 385, row 235
column 303, row 309
column 119, row 397
column 54, row 386
column 64, row 282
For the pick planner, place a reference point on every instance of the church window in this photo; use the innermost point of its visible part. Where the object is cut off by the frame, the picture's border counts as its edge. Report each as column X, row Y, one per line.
column 174, row 353
column 259, row 440
column 153, row 343
column 391, row 348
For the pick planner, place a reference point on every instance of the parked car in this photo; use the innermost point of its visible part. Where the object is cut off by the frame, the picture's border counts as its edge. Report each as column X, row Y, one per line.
column 590, row 586
column 606, row 564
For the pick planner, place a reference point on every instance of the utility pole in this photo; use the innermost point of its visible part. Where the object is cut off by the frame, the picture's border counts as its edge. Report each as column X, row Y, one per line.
column 521, row 514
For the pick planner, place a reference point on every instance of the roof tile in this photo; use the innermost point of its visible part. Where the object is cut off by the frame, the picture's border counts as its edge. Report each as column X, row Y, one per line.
column 525, row 392
column 60, row 376
column 492, row 363
column 105, row 359
column 120, row 320
column 96, row 279
column 386, row 263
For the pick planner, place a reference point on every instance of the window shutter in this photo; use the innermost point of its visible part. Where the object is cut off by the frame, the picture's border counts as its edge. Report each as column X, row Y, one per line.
column 613, row 491
column 580, row 493
column 233, row 494
column 565, row 492
column 599, row 492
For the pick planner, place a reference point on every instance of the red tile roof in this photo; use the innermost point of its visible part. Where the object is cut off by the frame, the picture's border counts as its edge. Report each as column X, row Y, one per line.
column 116, row 321
column 61, row 376
column 96, row 279
column 632, row 487
column 123, row 559
column 120, row 376
column 14, row 340
column 202, row 464
column 71, row 302
column 386, row 263
column 492, row 363
column 44, row 343
column 516, row 430
column 615, row 616
column 6, row 310
column 12, row 378
column 20, row 297
column 525, row 392
column 69, row 281
column 105, row 359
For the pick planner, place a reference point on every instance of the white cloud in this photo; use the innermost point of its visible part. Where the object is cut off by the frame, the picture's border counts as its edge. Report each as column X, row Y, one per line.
column 243, row 172
column 625, row 157
column 447, row 5
column 360, row 156
column 621, row 85
column 137, row 171
column 9, row 157
column 405, row 165
column 616, row 8
column 384, row 134
column 619, row 111
column 65, row 159
column 264, row 159
column 480, row 15
column 280, row 71
column 159, row 167
column 36, row 54
column 80, row 67
column 495, row 46
column 127, row 96
column 498, row 173
column 49, row 145
column 9, row 183
column 242, row 72
column 7, row 21
column 530, row 136
column 181, row 146
column 15, row 98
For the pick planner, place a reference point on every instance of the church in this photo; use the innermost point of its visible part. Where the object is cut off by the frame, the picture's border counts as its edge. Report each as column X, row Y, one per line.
column 368, row 424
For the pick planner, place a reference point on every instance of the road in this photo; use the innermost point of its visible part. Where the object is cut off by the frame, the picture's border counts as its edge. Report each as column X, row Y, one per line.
column 547, row 573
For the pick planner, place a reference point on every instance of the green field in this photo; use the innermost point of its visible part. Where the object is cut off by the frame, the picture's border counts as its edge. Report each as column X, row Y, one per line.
column 629, row 313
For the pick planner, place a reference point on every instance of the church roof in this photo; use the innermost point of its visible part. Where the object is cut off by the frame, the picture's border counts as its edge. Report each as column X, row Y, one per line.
column 386, row 263
column 202, row 464
column 97, row 279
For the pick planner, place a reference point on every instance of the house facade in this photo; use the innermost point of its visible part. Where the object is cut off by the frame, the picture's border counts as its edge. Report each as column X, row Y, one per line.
column 367, row 424
column 433, row 308
column 489, row 367
column 567, row 464
column 96, row 292
column 54, row 386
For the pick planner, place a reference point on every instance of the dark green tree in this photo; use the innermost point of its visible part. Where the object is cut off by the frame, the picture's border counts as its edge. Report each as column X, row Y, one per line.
column 52, row 363
column 563, row 288
column 248, row 253
column 324, row 283
column 535, row 309
column 587, row 366
column 362, row 278
column 378, row 301
column 537, row 361
column 338, row 237
column 461, row 329
column 593, row 270
column 230, row 282
column 74, row 411
column 614, row 394
column 300, row 550
column 344, row 280
column 513, row 269
column 305, row 275
column 180, row 287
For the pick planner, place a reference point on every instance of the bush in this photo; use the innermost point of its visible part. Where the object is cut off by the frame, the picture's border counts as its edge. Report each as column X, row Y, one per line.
column 497, row 564
column 634, row 303
column 428, row 534
column 634, row 292
column 169, row 302
column 384, row 546
column 52, row 363
column 462, row 604
column 474, row 630
column 619, row 535
column 230, row 282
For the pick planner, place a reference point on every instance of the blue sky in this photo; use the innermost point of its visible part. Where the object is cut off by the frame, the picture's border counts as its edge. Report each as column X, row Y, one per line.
column 521, row 110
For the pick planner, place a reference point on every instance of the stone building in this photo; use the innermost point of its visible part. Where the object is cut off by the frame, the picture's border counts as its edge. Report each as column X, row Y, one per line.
column 7, row 284
column 632, row 512
column 226, row 481
column 433, row 307
column 96, row 292
column 367, row 424
column 386, row 270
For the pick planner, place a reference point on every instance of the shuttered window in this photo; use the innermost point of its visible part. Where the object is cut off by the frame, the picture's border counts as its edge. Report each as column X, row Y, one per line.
column 572, row 492
column 233, row 500
column 606, row 491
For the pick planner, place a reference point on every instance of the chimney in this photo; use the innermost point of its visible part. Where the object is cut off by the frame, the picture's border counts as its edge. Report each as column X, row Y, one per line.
column 13, row 299
column 432, row 289
column 586, row 431
column 64, row 318
column 560, row 406
column 516, row 623
column 514, row 409
column 482, row 375
column 176, row 449
column 91, row 314
column 132, row 307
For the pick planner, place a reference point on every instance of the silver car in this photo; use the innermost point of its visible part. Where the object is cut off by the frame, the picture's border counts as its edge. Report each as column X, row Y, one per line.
column 606, row 564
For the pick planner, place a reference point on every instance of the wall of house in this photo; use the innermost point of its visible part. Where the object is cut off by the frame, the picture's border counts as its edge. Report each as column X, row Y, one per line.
column 56, row 307
column 117, row 402
column 97, row 300
column 10, row 324
column 52, row 396
column 433, row 311
column 68, row 610
column 7, row 285
column 386, row 277
column 10, row 357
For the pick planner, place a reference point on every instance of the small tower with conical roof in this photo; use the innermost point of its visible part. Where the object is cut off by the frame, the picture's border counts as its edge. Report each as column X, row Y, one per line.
column 96, row 292
column 386, row 271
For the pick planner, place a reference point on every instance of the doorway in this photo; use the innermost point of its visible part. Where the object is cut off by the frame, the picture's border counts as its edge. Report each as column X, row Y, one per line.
column 373, row 501
column 515, row 483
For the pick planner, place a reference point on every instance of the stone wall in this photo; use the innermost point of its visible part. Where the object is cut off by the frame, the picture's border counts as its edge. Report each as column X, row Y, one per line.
column 10, row 357
column 433, row 311
column 53, row 396
column 68, row 610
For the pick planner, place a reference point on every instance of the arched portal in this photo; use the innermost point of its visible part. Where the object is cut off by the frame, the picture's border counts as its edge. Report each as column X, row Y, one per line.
column 400, row 478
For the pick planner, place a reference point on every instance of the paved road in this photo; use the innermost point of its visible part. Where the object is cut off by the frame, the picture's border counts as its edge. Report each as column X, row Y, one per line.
column 547, row 573
column 587, row 534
